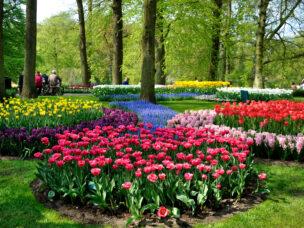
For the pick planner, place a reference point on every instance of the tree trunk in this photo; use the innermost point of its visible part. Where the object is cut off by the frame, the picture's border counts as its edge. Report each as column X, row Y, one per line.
column 222, row 61
column 148, row 53
column 258, row 78
column 90, row 6
column 29, row 89
column 117, row 42
column 85, row 72
column 227, row 65
column 160, row 52
column 215, row 40
column 2, row 82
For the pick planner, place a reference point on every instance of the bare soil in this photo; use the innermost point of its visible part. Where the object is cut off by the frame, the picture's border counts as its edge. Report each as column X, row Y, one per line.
column 91, row 215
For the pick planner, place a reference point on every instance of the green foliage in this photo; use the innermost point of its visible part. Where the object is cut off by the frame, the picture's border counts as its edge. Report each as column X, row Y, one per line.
column 298, row 93
column 57, row 48
column 14, row 38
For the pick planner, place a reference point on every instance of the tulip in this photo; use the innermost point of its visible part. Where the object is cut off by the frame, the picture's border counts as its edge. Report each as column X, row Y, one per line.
column 163, row 212
column 95, row 171
column 38, row 155
column 262, row 176
column 127, row 185
column 188, row 176
column 152, row 177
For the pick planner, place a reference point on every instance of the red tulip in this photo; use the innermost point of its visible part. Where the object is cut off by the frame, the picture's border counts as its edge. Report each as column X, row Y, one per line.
column 163, row 212
column 95, row 171
column 162, row 176
column 152, row 177
column 127, row 185
column 38, row 155
column 262, row 176
column 188, row 176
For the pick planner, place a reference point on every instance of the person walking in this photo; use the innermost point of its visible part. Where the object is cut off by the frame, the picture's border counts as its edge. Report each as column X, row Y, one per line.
column 38, row 82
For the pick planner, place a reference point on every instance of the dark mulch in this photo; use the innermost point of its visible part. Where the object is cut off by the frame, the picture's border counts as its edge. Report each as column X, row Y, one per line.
column 91, row 215
column 278, row 162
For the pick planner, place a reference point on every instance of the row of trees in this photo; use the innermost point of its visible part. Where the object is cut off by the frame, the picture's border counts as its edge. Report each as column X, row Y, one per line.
column 243, row 41
column 258, row 41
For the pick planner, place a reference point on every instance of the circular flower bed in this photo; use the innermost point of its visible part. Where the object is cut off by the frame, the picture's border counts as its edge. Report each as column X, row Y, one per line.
column 129, row 167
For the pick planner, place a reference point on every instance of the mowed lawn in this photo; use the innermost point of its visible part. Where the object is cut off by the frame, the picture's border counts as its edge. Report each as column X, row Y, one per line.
column 283, row 208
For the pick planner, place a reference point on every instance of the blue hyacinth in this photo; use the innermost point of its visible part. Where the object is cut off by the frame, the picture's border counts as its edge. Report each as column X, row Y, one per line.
column 147, row 112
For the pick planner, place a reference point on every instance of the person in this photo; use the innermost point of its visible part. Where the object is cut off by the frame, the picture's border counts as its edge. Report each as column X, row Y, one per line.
column 301, row 86
column 54, row 81
column 126, row 81
column 45, row 79
column 195, row 79
column 45, row 82
column 38, row 82
column 293, row 86
column 20, row 82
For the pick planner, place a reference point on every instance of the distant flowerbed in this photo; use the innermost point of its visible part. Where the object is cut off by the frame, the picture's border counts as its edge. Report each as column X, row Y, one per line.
column 159, row 97
column 147, row 112
column 203, row 84
column 108, row 90
column 169, row 170
column 254, row 94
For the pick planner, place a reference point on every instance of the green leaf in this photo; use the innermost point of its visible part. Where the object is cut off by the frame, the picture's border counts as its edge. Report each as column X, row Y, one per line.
column 132, row 219
column 175, row 212
column 151, row 206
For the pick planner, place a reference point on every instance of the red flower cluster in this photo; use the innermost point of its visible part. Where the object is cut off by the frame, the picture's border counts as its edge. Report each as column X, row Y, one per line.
column 134, row 156
column 275, row 110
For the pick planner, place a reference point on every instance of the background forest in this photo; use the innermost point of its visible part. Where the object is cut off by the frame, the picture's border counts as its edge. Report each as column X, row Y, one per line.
column 188, row 29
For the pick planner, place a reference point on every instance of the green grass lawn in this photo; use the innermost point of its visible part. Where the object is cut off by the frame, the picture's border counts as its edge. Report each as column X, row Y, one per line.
column 283, row 208
column 181, row 106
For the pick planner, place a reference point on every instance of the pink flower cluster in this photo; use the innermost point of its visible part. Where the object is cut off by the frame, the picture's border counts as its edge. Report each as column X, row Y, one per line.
column 205, row 118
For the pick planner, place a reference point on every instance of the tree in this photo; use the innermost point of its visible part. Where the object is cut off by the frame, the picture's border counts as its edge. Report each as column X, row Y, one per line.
column 57, row 47
column 147, row 91
column 85, row 72
column 117, row 42
column 284, row 14
column 215, row 39
column 2, row 85
column 29, row 89
column 162, row 34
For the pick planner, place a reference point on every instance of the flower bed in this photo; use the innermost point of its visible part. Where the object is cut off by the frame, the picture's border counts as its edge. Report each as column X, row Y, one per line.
column 159, row 97
column 269, row 145
column 209, row 86
column 281, row 116
column 129, row 167
column 254, row 94
column 147, row 112
column 107, row 90
column 23, row 141
column 35, row 113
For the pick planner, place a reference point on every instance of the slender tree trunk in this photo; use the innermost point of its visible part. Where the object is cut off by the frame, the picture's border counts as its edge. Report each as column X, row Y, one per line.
column 258, row 79
column 215, row 40
column 160, row 52
column 228, row 34
column 29, row 89
column 90, row 6
column 148, row 53
column 117, row 42
column 85, row 72
column 2, row 82
column 222, row 61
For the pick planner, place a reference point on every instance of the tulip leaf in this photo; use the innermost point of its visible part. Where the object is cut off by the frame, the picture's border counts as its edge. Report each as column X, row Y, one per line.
column 151, row 206
column 175, row 212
